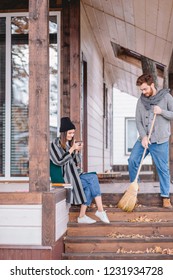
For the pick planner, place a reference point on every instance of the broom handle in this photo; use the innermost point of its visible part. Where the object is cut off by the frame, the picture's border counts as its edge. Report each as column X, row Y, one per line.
column 144, row 152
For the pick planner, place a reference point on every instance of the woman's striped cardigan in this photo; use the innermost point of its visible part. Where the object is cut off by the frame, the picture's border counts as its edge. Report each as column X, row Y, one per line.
column 70, row 173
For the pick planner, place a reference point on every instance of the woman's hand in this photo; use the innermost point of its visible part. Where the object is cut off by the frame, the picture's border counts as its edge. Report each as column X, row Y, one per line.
column 77, row 146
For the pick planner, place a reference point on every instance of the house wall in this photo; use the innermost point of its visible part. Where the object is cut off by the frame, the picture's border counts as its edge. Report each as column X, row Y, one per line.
column 98, row 155
column 21, row 224
column 61, row 218
column 28, row 222
column 124, row 106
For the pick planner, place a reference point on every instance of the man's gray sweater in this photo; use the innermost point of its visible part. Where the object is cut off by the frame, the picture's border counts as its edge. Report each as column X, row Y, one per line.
column 161, row 130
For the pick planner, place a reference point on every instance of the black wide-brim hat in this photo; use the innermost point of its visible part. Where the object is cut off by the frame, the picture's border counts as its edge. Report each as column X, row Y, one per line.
column 66, row 124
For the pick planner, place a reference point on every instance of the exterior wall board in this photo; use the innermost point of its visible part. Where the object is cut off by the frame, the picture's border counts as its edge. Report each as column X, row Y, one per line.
column 96, row 146
column 20, row 235
column 62, row 218
column 21, row 224
column 20, row 215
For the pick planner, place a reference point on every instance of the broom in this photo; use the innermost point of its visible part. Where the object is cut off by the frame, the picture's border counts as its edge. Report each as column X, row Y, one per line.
column 128, row 201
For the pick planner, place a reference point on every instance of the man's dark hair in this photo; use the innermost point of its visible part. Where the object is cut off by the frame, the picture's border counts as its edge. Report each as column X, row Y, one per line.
column 145, row 78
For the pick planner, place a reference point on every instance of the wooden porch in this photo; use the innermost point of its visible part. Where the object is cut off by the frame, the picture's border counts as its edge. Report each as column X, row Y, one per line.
column 32, row 224
column 60, row 237
column 34, row 217
column 146, row 233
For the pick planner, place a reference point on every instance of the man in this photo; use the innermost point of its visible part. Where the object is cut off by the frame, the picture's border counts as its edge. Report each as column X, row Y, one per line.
column 160, row 103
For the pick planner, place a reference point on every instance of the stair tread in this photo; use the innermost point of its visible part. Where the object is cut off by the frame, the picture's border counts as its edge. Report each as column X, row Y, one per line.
column 122, row 224
column 116, row 256
column 114, row 208
column 105, row 239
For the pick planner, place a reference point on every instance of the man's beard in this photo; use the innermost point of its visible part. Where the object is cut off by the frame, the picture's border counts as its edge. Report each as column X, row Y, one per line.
column 150, row 93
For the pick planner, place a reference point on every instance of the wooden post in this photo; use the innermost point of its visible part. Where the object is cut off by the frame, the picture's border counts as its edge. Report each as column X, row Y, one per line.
column 171, row 137
column 70, row 103
column 39, row 95
column 75, row 83
column 65, row 62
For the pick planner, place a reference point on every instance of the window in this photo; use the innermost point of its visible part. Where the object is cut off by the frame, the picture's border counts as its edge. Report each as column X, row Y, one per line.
column 14, row 95
column 131, row 134
column 2, row 94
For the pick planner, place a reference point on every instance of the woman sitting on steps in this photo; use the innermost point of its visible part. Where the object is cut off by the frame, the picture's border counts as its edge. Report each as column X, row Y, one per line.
column 65, row 152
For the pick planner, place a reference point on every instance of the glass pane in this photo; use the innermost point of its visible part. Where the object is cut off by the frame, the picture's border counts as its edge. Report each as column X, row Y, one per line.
column 19, row 101
column 131, row 134
column 19, row 97
column 2, row 94
column 53, row 71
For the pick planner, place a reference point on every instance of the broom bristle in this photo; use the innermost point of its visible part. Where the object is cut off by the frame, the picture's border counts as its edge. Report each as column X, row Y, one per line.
column 128, row 200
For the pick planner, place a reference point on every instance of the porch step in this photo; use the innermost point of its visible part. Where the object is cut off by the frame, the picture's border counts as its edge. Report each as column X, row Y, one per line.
column 119, row 176
column 140, row 213
column 115, row 256
column 147, row 199
column 145, row 233
column 132, row 228
column 110, row 244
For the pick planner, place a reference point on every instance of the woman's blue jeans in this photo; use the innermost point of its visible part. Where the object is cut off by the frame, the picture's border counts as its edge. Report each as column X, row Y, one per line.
column 160, row 156
column 90, row 184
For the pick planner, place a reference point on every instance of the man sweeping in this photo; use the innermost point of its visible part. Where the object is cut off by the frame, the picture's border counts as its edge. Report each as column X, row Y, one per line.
column 151, row 102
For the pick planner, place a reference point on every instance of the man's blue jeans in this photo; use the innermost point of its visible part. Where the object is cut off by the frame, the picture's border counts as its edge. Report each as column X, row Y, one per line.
column 160, row 156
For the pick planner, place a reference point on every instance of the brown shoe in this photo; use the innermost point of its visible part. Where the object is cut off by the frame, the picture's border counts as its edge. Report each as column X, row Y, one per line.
column 167, row 203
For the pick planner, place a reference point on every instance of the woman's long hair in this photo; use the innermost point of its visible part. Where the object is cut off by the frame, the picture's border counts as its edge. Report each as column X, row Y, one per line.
column 63, row 140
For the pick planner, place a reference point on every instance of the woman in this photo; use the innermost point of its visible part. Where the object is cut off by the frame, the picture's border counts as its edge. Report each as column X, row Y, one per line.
column 64, row 152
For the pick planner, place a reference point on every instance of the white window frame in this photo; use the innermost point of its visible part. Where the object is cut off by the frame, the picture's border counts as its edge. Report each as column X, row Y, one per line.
column 8, row 17
column 127, row 119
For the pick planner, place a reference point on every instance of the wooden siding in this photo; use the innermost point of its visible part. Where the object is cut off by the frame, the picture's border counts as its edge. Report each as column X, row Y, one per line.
column 30, row 227
column 18, row 198
column 98, row 155
column 20, row 225
column 142, row 26
column 12, row 252
column 61, row 218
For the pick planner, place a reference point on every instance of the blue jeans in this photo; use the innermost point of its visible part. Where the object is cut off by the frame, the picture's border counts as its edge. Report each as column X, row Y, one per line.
column 90, row 184
column 160, row 156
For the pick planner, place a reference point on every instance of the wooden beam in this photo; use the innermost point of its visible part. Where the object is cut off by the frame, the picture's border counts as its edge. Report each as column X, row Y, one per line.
column 20, row 198
column 39, row 95
column 65, row 54
column 48, row 219
column 171, row 137
column 70, row 102
column 75, row 84
column 14, row 5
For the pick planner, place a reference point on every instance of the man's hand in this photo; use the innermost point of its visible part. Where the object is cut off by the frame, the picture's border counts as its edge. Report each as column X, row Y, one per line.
column 157, row 110
column 145, row 142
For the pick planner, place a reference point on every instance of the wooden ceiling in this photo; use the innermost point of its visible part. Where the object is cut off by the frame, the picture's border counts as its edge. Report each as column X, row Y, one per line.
column 142, row 26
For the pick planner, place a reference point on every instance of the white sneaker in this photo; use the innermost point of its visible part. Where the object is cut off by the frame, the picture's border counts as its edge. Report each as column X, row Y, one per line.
column 102, row 216
column 85, row 220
